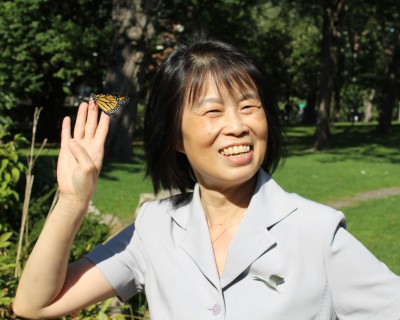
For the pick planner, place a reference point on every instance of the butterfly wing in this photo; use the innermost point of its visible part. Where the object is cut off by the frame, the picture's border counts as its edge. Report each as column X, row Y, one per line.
column 109, row 103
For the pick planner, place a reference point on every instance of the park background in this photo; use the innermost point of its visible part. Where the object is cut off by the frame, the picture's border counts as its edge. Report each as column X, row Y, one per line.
column 333, row 67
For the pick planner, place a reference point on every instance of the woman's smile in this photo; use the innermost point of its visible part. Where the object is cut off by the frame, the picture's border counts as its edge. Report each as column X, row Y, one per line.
column 235, row 150
column 238, row 154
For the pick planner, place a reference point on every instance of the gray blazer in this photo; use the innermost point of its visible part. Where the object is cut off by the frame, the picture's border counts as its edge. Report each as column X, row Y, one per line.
column 290, row 259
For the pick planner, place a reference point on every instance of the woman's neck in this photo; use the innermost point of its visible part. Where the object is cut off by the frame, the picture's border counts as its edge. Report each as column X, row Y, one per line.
column 222, row 207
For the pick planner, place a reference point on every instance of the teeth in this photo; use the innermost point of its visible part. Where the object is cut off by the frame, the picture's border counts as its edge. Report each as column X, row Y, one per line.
column 235, row 150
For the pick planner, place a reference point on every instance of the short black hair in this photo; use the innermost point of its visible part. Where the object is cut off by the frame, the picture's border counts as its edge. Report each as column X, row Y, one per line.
column 182, row 75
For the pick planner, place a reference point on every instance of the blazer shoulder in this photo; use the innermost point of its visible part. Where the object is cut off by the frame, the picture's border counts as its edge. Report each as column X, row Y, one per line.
column 159, row 211
column 317, row 214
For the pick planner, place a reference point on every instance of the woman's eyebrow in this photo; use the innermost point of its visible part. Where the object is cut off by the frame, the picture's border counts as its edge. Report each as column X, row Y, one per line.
column 243, row 97
column 248, row 95
column 208, row 100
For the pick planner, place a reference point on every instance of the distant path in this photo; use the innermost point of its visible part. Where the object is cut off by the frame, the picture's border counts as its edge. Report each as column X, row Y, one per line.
column 364, row 196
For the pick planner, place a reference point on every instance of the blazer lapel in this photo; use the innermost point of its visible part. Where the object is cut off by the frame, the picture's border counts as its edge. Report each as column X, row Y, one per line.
column 193, row 237
column 269, row 205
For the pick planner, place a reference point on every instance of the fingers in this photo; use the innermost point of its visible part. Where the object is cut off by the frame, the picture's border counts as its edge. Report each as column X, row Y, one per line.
column 79, row 130
column 92, row 117
column 86, row 120
column 102, row 129
column 65, row 132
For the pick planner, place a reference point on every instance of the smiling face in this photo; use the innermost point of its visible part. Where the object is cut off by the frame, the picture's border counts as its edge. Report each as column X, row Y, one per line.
column 224, row 135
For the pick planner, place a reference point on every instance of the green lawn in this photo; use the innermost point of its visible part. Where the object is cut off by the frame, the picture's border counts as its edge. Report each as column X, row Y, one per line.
column 119, row 188
column 359, row 160
column 376, row 223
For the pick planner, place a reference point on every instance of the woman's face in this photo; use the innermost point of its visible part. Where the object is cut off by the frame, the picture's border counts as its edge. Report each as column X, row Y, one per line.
column 224, row 136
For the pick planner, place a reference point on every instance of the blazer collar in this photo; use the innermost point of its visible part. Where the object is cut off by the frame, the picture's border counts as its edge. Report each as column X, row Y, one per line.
column 269, row 205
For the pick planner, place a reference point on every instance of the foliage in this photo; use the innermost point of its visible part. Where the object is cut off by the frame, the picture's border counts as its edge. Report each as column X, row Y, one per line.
column 287, row 43
column 92, row 232
column 8, row 282
column 49, row 51
column 11, row 168
column 42, row 41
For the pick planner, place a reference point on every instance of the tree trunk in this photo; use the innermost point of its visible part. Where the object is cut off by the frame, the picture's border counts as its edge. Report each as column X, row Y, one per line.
column 309, row 110
column 330, row 34
column 133, row 24
column 368, row 106
column 389, row 88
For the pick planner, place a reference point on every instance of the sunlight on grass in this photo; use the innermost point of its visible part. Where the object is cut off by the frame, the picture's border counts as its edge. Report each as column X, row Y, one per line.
column 376, row 223
column 119, row 188
column 359, row 160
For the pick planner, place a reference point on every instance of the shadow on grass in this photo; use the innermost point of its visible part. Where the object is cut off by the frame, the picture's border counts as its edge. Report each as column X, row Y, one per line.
column 46, row 165
column 360, row 142
column 131, row 166
column 125, row 166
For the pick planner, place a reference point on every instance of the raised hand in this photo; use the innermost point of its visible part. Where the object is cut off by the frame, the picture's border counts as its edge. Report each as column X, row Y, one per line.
column 52, row 288
column 81, row 156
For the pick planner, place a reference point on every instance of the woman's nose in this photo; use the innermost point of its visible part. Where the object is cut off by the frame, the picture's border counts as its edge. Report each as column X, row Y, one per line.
column 234, row 123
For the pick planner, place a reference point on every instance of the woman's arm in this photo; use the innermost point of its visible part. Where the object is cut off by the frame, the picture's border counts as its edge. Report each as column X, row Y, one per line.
column 48, row 286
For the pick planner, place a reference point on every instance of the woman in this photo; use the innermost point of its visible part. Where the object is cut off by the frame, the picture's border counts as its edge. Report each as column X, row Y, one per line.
column 237, row 246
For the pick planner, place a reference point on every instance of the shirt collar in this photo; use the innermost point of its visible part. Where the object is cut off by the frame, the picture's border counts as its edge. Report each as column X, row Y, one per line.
column 269, row 205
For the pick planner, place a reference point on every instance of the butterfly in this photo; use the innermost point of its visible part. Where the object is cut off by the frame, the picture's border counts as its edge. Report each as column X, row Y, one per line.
column 109, row 103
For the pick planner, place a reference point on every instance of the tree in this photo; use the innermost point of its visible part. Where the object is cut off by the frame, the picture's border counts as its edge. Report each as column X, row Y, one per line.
column 133, row 27
column 330, row 33
column 48, row 50
column 388, row 15
column 373, row 34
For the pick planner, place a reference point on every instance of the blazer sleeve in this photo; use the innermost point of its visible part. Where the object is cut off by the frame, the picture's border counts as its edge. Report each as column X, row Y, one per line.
column 361, row 286
column 122, row 261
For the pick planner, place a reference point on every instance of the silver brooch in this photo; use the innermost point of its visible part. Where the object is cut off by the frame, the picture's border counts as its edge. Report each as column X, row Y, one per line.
column 272, row 282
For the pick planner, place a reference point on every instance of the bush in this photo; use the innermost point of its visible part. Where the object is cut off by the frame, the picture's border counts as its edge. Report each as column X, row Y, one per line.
column 11, row 168
column 8, row 283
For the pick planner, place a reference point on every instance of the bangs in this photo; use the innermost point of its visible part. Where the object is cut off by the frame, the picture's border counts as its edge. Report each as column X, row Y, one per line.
column 228, row 79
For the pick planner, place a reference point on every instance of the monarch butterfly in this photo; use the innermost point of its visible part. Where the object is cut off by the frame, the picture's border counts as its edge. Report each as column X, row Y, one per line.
column 109, row 103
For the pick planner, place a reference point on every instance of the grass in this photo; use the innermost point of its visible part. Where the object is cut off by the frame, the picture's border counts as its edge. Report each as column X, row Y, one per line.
column 119, row 188
column 376, row 223
column 359, row 160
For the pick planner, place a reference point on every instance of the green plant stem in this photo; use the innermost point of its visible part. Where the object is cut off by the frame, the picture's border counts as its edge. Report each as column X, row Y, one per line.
column 28, row 191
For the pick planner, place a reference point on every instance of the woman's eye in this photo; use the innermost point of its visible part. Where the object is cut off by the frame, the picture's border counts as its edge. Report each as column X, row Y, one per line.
column 249, row 108
column 213, row 112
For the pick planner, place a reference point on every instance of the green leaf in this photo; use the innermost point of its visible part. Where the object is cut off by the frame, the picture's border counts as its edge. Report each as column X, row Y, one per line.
column 5, row 236
column 4, row 163
column 15, row 173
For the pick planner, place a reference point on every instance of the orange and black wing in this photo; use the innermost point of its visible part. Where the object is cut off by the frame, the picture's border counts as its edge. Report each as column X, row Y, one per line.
column 109, row 103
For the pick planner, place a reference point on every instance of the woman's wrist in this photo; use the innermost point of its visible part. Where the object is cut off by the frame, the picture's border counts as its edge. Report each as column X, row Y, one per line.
column 71, row 206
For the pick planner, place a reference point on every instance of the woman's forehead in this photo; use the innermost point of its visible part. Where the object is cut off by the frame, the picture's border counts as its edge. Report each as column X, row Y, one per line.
column 211, row 88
